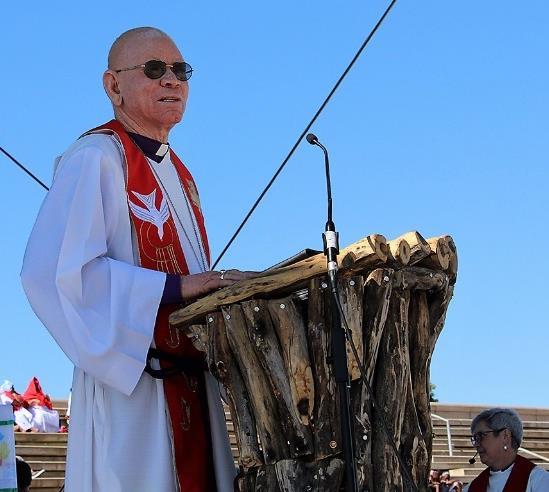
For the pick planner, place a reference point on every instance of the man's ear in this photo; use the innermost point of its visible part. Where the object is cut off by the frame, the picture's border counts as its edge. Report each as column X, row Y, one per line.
column 110, row 84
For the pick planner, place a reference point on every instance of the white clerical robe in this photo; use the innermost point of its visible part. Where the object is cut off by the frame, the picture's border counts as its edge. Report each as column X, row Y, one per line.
column 81, row 278
column 44, row 419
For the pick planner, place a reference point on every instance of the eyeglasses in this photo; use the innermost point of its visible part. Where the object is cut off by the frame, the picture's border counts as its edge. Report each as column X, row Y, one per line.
column 477, row 437
column 154, row 69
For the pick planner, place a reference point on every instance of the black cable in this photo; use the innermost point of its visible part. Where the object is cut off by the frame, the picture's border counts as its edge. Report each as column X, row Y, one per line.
column 375, row 405
column 24, row 169
column 303, row 133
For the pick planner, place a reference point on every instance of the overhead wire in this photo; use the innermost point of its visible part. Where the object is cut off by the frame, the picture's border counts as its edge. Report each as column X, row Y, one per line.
column 304, row 132
column 24, row 169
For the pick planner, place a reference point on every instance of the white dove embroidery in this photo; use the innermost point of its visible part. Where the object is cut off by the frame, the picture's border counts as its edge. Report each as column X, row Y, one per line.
column 151, row 214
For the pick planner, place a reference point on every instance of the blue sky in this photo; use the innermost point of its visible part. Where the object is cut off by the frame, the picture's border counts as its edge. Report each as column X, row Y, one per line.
column 441, row 127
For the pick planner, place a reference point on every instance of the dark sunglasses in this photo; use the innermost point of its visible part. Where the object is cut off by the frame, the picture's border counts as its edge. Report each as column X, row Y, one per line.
column 154, row 69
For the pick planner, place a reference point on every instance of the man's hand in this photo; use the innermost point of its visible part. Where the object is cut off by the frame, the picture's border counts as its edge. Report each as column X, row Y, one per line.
column 200, row 284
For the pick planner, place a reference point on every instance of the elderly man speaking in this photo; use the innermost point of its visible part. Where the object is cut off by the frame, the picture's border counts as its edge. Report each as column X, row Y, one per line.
column 119, row 244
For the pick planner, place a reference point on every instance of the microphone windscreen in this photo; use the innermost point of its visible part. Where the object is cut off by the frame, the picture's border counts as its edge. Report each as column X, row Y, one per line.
column 472, row 461
column 311, row 138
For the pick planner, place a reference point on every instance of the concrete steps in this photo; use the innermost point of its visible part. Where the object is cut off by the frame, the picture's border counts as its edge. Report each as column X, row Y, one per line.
column 45, row 453
column 468, row 412
column 47, row 484
column 53, row 438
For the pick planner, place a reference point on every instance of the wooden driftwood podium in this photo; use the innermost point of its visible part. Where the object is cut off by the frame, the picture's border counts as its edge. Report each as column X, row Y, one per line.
column 268, row 341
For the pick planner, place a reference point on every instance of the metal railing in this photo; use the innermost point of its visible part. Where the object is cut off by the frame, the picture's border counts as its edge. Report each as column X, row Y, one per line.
column 535, row 455
column 448, row 432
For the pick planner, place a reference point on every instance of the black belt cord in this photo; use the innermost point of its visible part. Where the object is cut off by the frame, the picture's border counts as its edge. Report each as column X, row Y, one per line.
column 178, row 365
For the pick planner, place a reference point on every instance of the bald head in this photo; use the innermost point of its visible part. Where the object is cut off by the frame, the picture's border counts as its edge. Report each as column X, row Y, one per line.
column 118, row 54
column 146, row 104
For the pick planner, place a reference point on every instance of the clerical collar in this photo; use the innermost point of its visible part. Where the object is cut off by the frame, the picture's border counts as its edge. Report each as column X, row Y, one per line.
column 153, row 149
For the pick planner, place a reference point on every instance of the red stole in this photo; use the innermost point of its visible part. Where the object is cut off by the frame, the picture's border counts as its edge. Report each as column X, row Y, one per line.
column 517, row 481
column 160, row 249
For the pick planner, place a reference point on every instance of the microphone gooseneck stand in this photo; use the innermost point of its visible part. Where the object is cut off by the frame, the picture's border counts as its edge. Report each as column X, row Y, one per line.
column 330, row 239
column 340, row 334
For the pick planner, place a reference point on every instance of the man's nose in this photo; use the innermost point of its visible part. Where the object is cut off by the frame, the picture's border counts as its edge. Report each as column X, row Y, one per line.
column 169, row 79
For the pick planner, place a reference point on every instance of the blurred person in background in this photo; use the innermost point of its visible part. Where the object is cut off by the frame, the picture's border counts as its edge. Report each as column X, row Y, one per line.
column 24, row 474
column 496, row 434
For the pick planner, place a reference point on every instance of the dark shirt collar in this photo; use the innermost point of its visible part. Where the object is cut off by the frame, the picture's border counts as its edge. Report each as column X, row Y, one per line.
column 153, row 149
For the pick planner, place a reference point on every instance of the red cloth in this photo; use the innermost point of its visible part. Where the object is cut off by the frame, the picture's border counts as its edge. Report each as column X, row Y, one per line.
column 185, row 395
column 17, row 400
column 35, row 396
column 517, row 481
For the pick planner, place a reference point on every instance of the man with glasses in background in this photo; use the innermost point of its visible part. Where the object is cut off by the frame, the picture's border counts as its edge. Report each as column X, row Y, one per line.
column 119, row 244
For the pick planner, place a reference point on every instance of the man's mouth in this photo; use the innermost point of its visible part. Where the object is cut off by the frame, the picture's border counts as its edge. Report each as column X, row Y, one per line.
column 169, row 99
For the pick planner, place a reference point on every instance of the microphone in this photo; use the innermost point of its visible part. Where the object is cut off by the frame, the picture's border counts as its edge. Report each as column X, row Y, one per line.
column 472, row 461
column 338, row 357
column 330, row 237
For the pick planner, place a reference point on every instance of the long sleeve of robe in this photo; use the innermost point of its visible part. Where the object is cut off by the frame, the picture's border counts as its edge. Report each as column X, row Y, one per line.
column 97, row 304
column 81, row 278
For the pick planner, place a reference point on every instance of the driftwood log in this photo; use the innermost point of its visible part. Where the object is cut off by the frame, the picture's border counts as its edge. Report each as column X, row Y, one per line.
column 267, row 340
